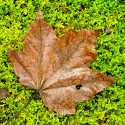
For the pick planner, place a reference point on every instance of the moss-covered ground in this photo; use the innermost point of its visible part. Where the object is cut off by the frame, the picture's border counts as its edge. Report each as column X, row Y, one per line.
column 108, row 107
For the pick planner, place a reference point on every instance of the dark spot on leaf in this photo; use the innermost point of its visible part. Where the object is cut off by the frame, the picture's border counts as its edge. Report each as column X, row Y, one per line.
column 78, row 86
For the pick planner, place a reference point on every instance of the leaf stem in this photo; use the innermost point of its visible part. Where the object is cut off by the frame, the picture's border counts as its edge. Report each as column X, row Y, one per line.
column 25, row 105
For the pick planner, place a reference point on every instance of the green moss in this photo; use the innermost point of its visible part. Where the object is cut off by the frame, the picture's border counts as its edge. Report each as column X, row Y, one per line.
column 107, row 108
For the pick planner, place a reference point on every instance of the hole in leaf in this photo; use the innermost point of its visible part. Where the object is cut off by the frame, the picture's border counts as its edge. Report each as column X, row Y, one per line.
column 78, row 86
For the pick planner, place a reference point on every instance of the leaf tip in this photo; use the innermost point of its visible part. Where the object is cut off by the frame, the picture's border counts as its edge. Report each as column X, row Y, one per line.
column 116, row 79
column 39, row 15
column 96, row 32
column 9, row 52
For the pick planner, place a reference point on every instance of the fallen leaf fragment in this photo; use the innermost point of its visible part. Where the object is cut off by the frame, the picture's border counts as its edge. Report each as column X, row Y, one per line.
column 58, row 67
column 3, row 93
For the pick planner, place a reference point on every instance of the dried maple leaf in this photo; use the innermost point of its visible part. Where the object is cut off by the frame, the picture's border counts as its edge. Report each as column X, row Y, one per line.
column 3, row 93
column 58, row 67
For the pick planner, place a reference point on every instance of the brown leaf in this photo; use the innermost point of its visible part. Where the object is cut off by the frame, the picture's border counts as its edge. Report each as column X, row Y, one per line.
column 3, row 93
column 58, row 67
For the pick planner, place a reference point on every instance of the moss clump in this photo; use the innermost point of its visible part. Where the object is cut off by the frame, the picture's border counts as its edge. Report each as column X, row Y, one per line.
column 107, row 108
